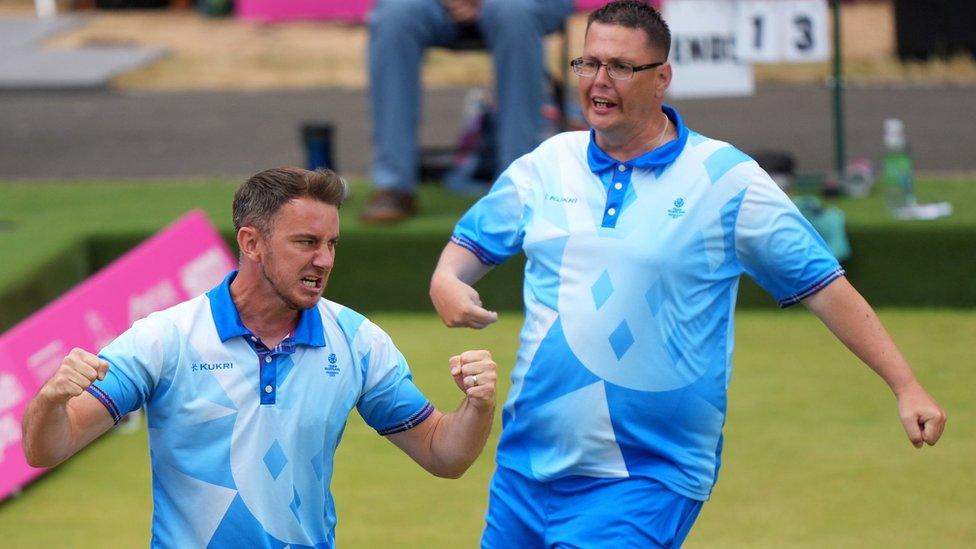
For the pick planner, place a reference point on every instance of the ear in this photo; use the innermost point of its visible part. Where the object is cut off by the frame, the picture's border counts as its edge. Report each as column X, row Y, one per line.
column 663, row 80
column 249, row 242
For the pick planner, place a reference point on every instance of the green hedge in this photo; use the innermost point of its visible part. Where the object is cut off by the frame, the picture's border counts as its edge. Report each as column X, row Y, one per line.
column 64, row 269
column 376, row 270
column 932, row 266
column 62, row 233
column 905, row 266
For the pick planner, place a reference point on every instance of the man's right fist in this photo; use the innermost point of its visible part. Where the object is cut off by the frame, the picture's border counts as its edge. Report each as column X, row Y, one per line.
column 77, row 372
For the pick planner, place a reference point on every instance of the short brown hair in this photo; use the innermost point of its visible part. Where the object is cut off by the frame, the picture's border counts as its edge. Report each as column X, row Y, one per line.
column 635, row 14
column 257, row 200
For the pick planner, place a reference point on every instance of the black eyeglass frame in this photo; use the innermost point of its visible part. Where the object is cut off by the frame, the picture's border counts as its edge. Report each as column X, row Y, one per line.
column 575, row 62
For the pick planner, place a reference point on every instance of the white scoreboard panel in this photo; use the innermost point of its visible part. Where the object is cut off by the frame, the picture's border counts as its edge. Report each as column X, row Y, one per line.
column 772, row 31
column 703, row 53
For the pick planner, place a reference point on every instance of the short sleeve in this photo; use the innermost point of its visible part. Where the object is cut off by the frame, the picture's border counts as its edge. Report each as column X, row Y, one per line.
column 493, row 228
column 135, row 361
column 778, row 247
column 390, row 402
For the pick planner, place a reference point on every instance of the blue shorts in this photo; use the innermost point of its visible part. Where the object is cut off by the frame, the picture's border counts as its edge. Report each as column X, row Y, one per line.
column 585, row 512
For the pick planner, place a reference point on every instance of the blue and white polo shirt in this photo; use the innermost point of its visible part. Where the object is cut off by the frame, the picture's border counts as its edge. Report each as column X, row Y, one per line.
column 241, row 436
column 630, row 286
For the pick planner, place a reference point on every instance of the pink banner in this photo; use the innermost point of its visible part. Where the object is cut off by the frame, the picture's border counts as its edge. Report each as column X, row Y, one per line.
column 283, row 10
column 354, row 11
column 182, row 261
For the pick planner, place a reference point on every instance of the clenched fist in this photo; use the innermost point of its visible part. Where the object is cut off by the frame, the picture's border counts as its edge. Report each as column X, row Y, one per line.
column 474, row 373
column 77, row 372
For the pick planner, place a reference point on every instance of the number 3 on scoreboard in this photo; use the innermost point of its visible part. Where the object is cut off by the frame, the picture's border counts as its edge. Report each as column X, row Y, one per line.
column 806, row 29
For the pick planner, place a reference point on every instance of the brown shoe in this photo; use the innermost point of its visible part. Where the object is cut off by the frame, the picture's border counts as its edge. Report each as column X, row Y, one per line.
column 388, row 207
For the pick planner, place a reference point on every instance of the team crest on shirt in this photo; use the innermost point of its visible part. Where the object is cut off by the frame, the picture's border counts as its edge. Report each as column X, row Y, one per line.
column 332, row 368
column 677, row 211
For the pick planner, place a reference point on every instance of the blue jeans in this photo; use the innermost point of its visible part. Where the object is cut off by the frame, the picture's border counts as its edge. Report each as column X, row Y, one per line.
column 400, row 31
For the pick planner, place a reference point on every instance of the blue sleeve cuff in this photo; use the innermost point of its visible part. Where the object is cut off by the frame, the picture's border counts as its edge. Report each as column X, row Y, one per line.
column 409, row 423
column 820, row 285
column 106, row 401
column 479, row 252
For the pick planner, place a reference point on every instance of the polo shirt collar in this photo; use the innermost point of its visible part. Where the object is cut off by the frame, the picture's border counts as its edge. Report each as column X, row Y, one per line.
column 660, row 157
column 309, row 330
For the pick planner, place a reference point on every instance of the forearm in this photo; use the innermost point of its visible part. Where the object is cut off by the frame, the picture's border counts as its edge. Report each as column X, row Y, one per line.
column 53, row 430
column 853, row 321
column 445, row 445
column 846, row 313
column 63, row 417
column 46, row 432
column 458, row 439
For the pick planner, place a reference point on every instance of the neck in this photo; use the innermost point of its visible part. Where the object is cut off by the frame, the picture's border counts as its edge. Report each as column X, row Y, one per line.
column 262, row 311
column 655, row 134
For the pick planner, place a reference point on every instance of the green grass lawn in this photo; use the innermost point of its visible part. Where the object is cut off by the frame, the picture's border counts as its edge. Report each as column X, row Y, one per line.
column 815, row 455
column 958, row 190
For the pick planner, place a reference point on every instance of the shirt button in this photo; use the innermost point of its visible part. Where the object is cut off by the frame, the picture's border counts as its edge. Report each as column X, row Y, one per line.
column 621, row 168
column 612, row 211
column 268, row 389
column 253, row 338
column 618, row 185
column 267, row 358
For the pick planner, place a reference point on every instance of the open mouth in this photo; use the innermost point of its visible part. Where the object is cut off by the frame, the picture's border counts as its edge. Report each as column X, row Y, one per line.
column 602, row 104
column 312, row 283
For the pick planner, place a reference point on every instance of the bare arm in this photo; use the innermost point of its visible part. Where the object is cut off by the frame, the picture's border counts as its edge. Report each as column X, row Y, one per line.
column 451, row 291
column 846, row 313
column 447, row 444
column 63, row 418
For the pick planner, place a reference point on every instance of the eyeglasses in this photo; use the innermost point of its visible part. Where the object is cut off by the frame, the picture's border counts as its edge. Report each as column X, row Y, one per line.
column 618, row 70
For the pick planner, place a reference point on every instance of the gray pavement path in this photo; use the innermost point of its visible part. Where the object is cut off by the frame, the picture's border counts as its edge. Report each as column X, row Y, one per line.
column 26, row 65
column 109, row 134
column 19, row 33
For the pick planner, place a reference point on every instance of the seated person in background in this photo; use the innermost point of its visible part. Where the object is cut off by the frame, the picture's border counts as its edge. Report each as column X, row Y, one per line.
column 400, row 31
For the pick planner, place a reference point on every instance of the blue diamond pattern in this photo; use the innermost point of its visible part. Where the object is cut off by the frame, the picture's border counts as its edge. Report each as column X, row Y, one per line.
column 602, row 289
column 317, row 461
column 621, row 339
column 655, row 297
column 296, row 503
column 275, row 460
column 675, row 352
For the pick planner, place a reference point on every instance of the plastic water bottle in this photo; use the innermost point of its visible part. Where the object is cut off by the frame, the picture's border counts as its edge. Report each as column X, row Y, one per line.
column 897, row 170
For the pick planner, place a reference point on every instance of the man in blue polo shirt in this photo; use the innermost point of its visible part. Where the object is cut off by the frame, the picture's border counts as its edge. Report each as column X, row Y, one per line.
column 247, row 388
column 635, row 234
